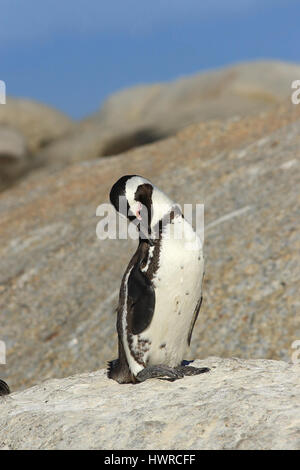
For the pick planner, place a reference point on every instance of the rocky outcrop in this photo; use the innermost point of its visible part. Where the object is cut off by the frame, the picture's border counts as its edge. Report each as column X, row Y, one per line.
column 217, row 94
column 144, row 114
column 239, row 404
column 59, row 283
column 38, row 123
column 14, row 158
column 25, row 128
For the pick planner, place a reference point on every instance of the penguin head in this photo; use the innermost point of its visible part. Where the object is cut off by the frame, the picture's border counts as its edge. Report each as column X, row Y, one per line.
column 137, row 198
column 130, row 194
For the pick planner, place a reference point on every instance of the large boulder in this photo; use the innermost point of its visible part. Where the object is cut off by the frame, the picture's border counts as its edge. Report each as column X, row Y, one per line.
column 146, row 113
column 59, row 283
column 217, row 94
column 38, row 123
column 239, row 404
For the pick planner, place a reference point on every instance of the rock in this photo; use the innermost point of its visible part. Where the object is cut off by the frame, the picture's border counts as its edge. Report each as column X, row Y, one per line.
column 38, row 123
column 92, row 141
column 144, row 114
column 14, row 159
column 59, row 283
column 240, row 404
column 217, row 94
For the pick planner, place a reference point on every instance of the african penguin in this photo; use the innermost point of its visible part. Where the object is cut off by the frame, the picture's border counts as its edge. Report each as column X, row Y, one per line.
column 161, row 290
column 4, row 389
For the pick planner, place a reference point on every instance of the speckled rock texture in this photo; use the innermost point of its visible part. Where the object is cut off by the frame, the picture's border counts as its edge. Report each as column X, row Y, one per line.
column 59, row 283
column 239, row 404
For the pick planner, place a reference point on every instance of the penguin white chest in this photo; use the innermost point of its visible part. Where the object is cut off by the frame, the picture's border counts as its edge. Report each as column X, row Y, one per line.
column 178, row 284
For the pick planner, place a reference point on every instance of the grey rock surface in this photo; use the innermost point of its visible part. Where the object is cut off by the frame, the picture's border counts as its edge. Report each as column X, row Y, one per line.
column 239, row 404
column 59, row 283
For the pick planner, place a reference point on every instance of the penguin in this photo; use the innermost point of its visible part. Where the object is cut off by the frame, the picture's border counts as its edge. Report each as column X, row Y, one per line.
column 4, row 388
column 161, row 290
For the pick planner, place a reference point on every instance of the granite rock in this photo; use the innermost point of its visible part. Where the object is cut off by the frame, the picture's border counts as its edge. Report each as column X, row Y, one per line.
column 147, row 113
column 239, row 404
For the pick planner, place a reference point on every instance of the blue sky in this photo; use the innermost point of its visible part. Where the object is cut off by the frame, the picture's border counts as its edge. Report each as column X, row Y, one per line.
column 73, row 54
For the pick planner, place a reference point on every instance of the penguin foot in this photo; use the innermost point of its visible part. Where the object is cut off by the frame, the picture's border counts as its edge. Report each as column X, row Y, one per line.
column 4, row 388
column 190, row 370
column 112, row 365
column 159, row 371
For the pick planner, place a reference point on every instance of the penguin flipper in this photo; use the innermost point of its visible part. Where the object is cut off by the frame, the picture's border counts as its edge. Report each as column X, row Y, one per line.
column 4, row 388
column 141, row 301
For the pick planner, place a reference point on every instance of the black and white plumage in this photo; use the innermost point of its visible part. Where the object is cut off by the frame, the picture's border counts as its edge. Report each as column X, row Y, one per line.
column 161, row 290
